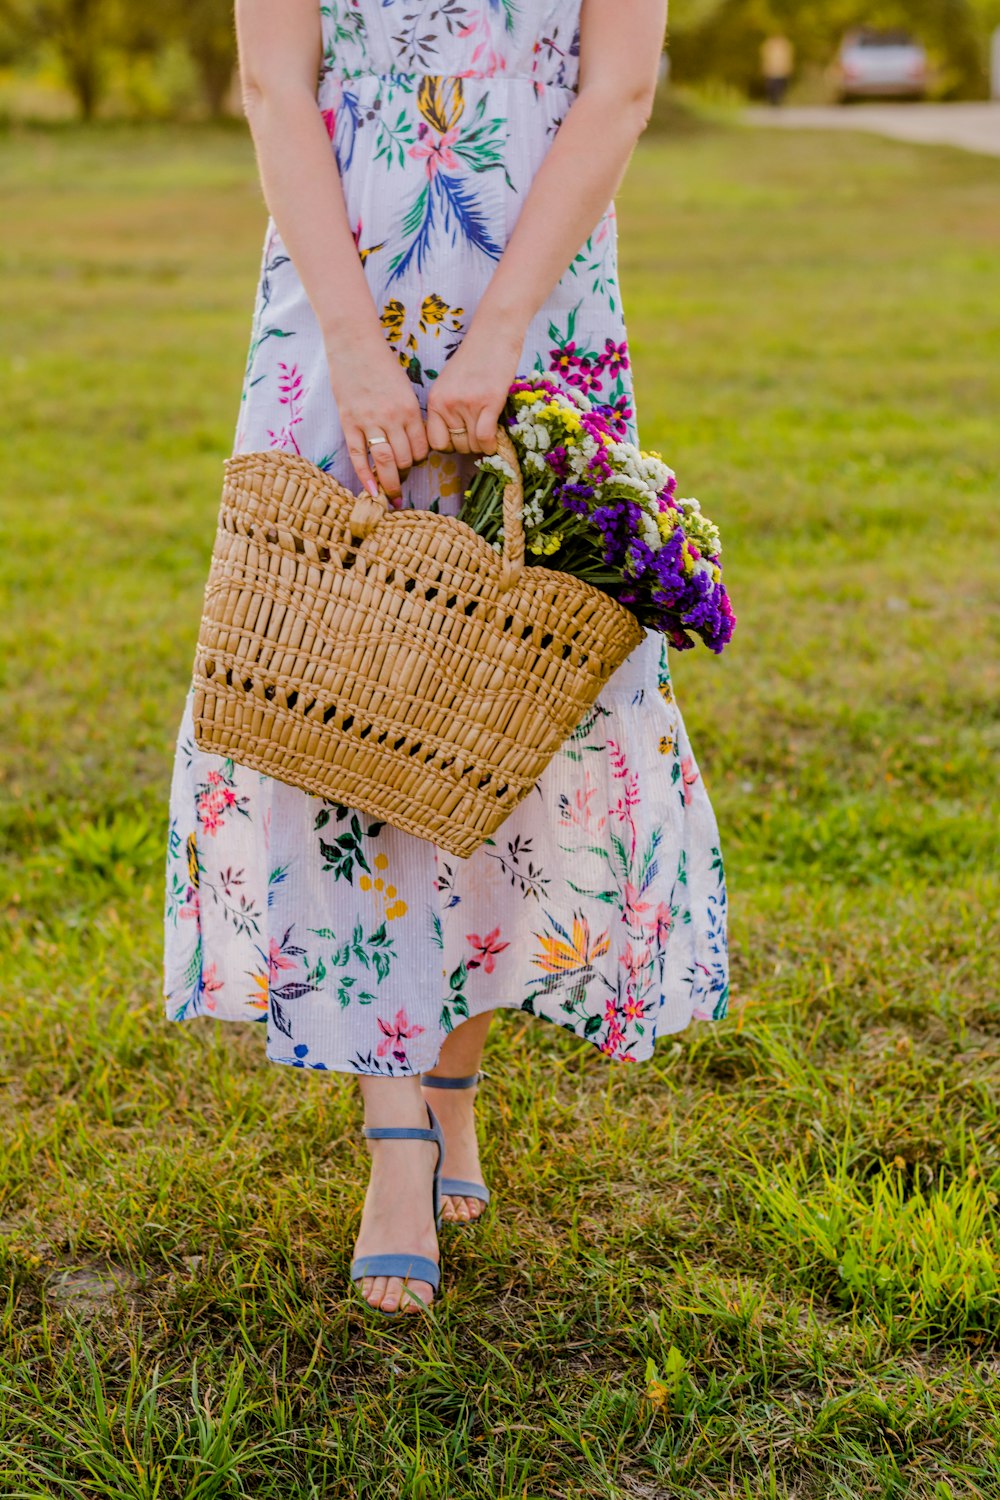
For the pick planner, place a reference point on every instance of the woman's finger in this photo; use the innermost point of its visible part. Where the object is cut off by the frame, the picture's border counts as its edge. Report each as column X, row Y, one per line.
column 438, row 436
column 388, row 456
column 485, row 434
column 416, row 434
column 357, row 452
column 458, row 430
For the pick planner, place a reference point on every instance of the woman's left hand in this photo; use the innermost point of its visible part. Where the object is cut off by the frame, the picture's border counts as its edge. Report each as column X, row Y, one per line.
column 466, row 399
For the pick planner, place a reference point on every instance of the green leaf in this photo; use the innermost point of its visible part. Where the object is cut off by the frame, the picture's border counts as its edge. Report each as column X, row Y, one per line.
column 458, row 977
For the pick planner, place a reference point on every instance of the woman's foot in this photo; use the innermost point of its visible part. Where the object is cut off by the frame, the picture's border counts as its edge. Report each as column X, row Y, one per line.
column 455, row 1109
column 398, row 1213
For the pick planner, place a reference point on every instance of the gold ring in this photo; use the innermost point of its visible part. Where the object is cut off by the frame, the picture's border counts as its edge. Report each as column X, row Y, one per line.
column 457, row 431
column 378, row 436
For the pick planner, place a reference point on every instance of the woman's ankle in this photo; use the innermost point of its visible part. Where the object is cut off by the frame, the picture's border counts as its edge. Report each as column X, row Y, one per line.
column 394, row 1101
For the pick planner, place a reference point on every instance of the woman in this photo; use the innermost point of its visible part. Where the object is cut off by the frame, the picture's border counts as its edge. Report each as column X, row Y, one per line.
column 441, row 221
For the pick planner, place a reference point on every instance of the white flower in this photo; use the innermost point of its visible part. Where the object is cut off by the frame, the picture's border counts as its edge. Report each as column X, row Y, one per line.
column 649, row 531
column 497, row 464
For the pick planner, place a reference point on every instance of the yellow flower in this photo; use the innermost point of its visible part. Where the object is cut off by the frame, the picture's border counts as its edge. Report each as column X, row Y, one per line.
column 259, row 1001
column 381, row 861
column 365, row 882
column 434, row 310
column 441, row 101
column 397, row 909
column 446, row 475
column 560, row 957
column 392, row 317
column 666, row 744
column 192, row 858
column 716, row 572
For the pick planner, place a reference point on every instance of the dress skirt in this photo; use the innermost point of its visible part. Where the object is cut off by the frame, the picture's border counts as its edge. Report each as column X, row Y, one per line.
column 600, row 904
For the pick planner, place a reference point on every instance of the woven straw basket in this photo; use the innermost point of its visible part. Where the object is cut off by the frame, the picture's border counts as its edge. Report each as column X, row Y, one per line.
column 392, row 660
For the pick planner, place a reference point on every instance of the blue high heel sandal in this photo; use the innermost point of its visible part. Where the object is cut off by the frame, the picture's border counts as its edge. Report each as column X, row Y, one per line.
column 457, row 1186
column 401, row 1263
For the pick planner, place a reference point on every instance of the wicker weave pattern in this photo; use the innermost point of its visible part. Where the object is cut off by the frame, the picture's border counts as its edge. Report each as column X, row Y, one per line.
column 391, row 660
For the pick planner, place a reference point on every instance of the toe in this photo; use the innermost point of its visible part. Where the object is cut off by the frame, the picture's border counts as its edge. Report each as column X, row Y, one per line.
column 374, row 1289
column 420, row 1289
column 474, row 1206
column 390, row 1297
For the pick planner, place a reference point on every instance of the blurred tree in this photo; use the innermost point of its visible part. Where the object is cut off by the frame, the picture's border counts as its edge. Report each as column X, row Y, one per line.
column 207, row 31
column 722, row 39
column 79, row 30
column 85, row 33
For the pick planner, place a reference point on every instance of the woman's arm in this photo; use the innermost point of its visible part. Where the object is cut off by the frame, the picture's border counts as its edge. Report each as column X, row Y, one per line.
column 620, row 46
column 280, row 50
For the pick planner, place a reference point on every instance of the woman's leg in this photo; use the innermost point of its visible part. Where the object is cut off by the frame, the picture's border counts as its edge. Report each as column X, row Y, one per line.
column 461, row 1055
column 399, row 1211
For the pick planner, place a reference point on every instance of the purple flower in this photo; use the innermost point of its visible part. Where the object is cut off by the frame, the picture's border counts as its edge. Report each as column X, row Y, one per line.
column 586, row 376
column 565, row 359
column 614, row 357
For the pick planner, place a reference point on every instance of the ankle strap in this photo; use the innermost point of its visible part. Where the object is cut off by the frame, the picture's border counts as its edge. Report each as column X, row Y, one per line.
column 399, row 1133
column 444, row 1082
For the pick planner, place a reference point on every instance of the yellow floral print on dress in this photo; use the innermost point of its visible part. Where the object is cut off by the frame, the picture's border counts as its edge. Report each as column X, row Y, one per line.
column 394, row 905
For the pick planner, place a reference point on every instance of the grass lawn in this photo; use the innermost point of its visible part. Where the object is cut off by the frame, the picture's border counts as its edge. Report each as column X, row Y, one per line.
column 763, row 1264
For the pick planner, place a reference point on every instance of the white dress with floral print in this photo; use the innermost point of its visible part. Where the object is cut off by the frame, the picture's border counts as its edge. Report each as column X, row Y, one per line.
column 601, row 902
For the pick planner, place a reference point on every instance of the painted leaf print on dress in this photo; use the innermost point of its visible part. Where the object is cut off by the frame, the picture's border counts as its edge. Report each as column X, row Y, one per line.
column 600, row 904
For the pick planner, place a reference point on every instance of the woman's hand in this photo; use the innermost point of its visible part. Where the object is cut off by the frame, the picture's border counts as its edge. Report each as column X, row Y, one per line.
column 467, row 398
column 375, row 397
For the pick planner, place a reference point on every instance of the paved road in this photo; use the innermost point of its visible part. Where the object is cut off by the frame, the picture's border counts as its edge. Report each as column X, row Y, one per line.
column 975, row 127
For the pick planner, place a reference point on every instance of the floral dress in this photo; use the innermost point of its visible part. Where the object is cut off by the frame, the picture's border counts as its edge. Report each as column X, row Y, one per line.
column 600, row 904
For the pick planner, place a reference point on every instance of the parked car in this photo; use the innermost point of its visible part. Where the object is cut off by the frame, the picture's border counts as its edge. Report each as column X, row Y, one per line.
column 874, row 64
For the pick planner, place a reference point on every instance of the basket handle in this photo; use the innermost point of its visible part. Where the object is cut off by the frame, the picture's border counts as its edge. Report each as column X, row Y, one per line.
column 369, row 510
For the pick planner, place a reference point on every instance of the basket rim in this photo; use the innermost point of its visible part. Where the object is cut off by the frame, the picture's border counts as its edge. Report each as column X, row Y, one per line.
column 422, row 517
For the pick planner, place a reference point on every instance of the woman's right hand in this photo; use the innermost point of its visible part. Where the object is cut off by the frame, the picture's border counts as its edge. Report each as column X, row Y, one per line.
column 375, row 395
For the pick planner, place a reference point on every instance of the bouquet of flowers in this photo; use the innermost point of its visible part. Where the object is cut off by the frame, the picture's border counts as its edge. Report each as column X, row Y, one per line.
column 607, row 512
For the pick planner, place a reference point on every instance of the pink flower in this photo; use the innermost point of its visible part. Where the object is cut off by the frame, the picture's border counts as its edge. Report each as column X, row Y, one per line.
column 330, row 121
column 633, row 962
column 633, row 1008
column 394, row 1034
column 661, row 922
column 277, row 960
column 689, row 775
column 438, row 153
column 192, row 905
column 210, row 806
column 633, row 908
column 487, row 948
column 209, row 984
column 613, row 1039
